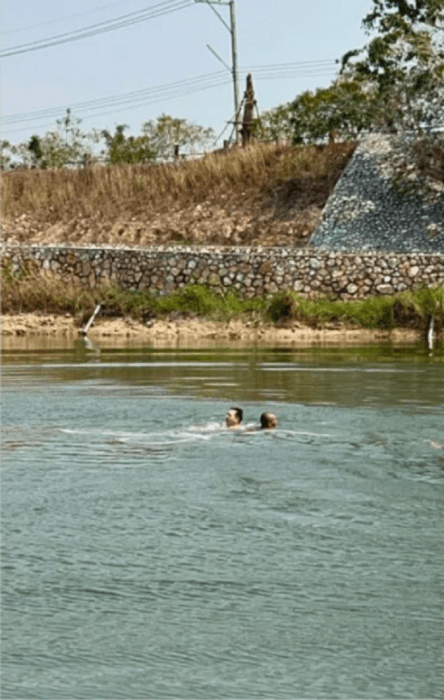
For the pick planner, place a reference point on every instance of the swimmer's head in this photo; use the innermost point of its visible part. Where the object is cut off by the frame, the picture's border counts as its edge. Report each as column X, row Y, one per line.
column 234, row 417
column 268, row 420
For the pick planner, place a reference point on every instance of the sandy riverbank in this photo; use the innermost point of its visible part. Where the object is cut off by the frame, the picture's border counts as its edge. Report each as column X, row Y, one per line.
column 197, row 330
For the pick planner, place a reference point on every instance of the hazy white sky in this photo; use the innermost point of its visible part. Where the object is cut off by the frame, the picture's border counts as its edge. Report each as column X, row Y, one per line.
column 169, row 52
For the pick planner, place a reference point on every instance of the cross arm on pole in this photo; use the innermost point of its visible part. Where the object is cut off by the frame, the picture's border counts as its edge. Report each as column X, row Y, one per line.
column 210, row 4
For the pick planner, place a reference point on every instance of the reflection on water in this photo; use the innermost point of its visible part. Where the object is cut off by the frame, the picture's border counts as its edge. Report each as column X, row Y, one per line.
column 353, row 377
column 149, row 552
column 51, row 343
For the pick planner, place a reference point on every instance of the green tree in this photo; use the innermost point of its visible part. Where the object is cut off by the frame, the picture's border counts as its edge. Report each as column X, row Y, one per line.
column 5, row 155
column 404, row 62
column 126, row 149
column 65, row 145
column 274, row 124
column 166, row 132
column 35, row 149
column 343, row 109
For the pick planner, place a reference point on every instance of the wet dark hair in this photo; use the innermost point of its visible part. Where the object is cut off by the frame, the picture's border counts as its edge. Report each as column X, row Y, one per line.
column 239, row 413
column 267, row 420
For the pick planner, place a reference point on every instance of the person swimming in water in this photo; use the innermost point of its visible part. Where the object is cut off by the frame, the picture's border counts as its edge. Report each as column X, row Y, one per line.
column 233, row 419
column 268, row 421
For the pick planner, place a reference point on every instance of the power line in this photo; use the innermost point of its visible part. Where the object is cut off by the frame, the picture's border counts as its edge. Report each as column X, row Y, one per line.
column 223, row 79
column 319, row 62
column 127, row 20
column 162, row 91
column 290, row 74
column 205, row 81
column 65, row 17
column 305, row 68
column 134, row 100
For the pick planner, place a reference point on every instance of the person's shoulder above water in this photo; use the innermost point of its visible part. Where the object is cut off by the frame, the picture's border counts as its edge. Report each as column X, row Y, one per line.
column 234, row 417
column 268, row 421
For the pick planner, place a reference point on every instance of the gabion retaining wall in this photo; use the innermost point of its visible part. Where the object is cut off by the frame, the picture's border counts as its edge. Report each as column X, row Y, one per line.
column 250, row 271
column 367, row 212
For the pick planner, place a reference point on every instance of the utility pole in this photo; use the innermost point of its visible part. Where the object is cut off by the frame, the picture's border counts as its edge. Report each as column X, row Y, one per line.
column 235, row 68
column 234, row 65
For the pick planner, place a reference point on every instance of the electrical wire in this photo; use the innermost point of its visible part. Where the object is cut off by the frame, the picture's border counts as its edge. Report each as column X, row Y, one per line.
column 132, row 104
column 205, row 81
column 169, row 89
column 54, row 20
column 127, row 20
column 297, row 63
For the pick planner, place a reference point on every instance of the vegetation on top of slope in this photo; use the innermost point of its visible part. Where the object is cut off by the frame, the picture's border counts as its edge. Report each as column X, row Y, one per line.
column 264, row 194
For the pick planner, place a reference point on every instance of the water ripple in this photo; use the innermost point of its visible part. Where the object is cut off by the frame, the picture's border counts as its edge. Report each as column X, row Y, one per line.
column 147, row 551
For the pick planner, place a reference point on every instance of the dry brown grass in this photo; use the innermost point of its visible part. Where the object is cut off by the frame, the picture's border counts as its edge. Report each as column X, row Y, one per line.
column 40, row 291
column 263, row 194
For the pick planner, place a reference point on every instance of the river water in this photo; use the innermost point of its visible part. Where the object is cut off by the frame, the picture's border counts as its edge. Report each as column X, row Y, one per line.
column 148, row 552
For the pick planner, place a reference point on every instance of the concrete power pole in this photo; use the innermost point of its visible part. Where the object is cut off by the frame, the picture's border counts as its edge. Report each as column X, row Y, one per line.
column 235, row 68
column 234, row 65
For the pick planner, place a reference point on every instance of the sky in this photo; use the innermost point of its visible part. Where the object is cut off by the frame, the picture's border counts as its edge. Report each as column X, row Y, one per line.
column 162, row 65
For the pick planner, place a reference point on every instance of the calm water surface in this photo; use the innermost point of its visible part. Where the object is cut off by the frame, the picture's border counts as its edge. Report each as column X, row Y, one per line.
column 150, row 553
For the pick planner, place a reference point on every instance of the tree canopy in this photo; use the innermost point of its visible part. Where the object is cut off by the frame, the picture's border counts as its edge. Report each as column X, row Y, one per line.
column 345, row 107
column 403, row 62
column 67, row 144
column 166, row 132
column 126, row 149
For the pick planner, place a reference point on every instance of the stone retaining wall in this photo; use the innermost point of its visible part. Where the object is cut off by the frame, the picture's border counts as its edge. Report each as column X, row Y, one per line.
column 250, row 271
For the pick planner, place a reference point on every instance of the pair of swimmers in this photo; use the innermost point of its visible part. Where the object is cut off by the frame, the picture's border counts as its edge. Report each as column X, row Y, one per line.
column 234, row 417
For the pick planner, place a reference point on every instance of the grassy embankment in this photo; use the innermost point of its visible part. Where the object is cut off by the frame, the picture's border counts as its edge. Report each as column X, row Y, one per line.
column 261, row 195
